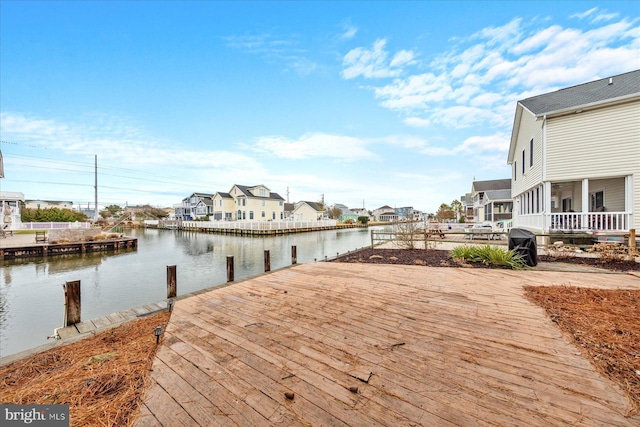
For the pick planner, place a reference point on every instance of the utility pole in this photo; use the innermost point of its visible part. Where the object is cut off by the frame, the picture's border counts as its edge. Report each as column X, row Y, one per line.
column 95, row 214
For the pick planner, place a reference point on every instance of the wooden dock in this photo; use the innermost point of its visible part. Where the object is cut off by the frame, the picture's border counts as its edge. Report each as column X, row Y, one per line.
column 369, row 345
column 52, row 249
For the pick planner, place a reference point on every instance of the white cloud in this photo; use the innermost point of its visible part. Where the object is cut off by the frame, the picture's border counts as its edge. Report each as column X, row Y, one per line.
column 477, row 81
column 312, row 145
column 349, row 32
column 583, row 15
column 373, row 63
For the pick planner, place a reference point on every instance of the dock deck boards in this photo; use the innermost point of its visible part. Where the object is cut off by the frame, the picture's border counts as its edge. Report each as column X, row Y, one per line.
column 424, row 346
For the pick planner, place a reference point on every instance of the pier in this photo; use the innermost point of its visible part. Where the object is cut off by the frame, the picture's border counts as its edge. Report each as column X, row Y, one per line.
column 254, row 228
column 21, row 249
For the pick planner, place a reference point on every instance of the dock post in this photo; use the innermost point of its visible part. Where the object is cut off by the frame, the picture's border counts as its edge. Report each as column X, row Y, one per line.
column 71, row 303
column 267, row 261
column 172, row 281
column 294, row 255
column 230, row 269
column 632, row 240
column 371, row 238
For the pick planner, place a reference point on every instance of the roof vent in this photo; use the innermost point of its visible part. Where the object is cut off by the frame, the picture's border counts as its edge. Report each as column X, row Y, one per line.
column 610, row 80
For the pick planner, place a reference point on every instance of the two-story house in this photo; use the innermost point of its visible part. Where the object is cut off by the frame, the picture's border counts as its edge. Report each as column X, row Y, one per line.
column 248, row 203
column 196, row 206
column 489, row 198
column 575, row 157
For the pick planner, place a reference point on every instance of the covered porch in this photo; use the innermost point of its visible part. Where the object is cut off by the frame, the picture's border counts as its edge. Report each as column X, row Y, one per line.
column 579, row 205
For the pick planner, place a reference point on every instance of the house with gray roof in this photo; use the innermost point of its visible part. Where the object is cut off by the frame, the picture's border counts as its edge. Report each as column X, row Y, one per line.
column 575, row 157
column 308, row 211
column 248, row 203
column 479, row 191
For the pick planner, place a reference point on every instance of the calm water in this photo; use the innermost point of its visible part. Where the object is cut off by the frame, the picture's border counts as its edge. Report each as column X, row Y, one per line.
column 32, row 298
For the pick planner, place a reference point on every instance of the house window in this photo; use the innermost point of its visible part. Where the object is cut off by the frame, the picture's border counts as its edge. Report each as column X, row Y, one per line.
column 239, row 215
column 597, row 201
column 523, row 157
column 250, row 214
column 566, row 205
column 263, row 214
column 273, row 216
column 281, row 203
column 515, row 171
column 262, row 193
column 244, row 215
column 531, row 153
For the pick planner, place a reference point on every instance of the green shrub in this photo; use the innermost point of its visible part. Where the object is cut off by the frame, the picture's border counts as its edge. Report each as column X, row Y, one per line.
column 489, row 255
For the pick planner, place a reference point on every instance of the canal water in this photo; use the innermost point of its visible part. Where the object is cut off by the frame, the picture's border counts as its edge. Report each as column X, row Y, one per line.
column 32, row 297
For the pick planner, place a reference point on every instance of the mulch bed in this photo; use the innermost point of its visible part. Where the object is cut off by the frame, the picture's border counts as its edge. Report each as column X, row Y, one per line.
column 604, row 324
column 102, row 378
column 429, row 258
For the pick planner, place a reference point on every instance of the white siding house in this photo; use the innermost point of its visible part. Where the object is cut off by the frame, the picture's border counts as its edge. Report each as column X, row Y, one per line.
column 575, row 157
column 248, row 203
column 308, row 211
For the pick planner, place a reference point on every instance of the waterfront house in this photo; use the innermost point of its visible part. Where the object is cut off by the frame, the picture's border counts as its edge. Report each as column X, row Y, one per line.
column 248, row 203
column 188, row 209
column 575, row 157
column 498, row 189
column 308, row 211
column 385, row 213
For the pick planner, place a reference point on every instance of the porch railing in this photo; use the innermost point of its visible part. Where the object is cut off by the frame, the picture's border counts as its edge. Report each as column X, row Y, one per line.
column 576, row 221
column 567, row 221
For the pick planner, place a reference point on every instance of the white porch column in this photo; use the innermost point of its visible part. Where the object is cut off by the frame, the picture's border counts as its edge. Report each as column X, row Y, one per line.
column 585, row 203
column 546, row 206
column 628, row 202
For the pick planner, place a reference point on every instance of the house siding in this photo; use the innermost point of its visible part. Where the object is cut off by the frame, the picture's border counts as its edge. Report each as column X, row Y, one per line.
column 608, row 138
column 529, row 128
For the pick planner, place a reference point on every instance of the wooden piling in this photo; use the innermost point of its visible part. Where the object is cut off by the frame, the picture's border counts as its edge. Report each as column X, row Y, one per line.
column 230, row 273
column 267, row 261
column 172, row 281
column 632, row 239
column 72, row 303
column 294, row 255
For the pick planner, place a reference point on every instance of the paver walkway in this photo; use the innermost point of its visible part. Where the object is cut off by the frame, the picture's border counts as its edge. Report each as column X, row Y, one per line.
column 423, row 346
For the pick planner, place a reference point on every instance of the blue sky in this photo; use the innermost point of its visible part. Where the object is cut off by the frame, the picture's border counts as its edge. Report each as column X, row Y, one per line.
column 398, row 103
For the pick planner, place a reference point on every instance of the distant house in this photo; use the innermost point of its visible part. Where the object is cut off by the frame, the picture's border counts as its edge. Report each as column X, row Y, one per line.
column 10, row 210
column 361, row 212
column 575, row 157
column 47, row 204
column 467, row 206
column 248, row 203
column 346, row 214
column 188, row 209
column 288, row 210
column 308, row 211
column 404, row 213
column 498, row 206
column 385, row 213
column 479, row 191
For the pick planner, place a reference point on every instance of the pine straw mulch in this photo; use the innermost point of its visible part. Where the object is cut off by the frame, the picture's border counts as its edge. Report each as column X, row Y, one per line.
column 604, row 324
column 102, row 378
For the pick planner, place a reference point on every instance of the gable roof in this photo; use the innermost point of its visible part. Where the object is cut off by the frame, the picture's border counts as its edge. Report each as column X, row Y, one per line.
column 224, row 195
column 316, row 206
column 593, row 94
column 587, row 94
column 494, row 184
column 497, row 195
column 245, row 192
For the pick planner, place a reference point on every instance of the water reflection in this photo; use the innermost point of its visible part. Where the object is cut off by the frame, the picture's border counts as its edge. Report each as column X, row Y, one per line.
column 32, row 299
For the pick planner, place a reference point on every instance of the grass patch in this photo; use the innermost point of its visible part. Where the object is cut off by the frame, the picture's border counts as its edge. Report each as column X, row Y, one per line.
column 489, row 255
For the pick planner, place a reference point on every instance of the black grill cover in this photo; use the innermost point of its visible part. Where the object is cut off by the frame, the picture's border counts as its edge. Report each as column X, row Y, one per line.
column 523, row 243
